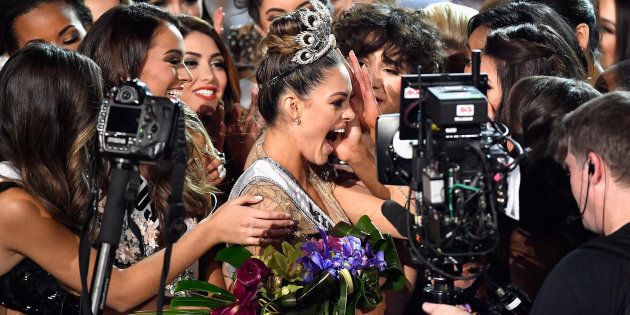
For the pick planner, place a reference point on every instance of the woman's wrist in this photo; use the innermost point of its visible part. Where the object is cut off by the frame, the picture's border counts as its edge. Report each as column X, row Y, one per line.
column 208, row 230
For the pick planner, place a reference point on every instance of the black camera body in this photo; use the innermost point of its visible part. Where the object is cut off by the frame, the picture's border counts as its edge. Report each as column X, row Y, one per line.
column 443, row 146
column 135, row 125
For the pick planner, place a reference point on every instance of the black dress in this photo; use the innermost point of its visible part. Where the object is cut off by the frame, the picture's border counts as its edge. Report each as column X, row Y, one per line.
column 30, row 289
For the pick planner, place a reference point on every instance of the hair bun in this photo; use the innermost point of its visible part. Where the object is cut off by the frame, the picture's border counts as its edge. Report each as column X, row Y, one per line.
column 282, row 33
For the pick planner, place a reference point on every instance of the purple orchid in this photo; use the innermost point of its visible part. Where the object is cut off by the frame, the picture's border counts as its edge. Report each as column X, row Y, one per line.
column 331, row 254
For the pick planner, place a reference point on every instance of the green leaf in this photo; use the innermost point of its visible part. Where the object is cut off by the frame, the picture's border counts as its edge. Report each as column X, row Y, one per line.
column 203, row 286
column 365, row 225
column 282, row 263
column 395, row 278
column 286, row 248
column 233, row 255
column 318, row 290
column 343, row 296
column 341, row 229
column 296, row 252
column 371, row 296
column 391, row 254
column 198, row 301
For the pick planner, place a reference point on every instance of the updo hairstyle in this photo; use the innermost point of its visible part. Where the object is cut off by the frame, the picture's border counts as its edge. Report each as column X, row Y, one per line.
column 277, row 74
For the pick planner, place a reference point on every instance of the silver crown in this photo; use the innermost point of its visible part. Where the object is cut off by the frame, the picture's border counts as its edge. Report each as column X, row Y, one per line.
column 317, row 39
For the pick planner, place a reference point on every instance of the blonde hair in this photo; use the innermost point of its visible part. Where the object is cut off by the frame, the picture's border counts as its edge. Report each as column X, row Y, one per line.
column 197, row 185
column 452, row 21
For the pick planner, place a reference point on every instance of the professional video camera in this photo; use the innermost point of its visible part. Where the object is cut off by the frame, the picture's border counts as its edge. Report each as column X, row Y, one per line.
column 133, row 127
column 442, row 146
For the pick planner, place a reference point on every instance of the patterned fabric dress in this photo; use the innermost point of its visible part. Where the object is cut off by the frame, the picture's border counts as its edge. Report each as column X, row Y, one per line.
column 140, row 238
column 266, row 178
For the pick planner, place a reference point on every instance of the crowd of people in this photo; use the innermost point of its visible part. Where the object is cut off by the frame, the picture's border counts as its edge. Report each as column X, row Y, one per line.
column 281, row 117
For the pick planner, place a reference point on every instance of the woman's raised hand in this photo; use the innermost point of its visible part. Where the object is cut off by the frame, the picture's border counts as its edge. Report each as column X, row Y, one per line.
column 236, row 223
column 363, row 101
column 349, row 145
column 217, row 18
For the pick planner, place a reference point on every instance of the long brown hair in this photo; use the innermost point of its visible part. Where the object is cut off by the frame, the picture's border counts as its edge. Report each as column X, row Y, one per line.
column 49, row 98
column 232, row 92
column 118, row 42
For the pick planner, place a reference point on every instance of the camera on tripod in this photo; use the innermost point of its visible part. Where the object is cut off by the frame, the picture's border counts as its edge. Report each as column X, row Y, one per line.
column 444, row 148
column 135, row 125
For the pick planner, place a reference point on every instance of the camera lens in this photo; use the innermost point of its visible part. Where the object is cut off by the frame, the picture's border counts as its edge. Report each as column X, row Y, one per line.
column 127, row 95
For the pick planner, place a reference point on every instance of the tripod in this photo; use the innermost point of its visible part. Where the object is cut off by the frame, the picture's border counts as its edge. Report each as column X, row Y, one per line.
column 121, row 197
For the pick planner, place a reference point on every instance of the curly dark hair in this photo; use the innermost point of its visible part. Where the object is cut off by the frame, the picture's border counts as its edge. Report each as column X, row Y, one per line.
column 12, row 9
column 407, row 38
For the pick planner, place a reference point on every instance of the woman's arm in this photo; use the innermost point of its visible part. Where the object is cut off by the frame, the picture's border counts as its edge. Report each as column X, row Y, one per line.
column 28, row 230
column 356, row 204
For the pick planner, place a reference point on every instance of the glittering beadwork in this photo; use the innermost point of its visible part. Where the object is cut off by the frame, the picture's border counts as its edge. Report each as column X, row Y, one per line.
column 317, row 39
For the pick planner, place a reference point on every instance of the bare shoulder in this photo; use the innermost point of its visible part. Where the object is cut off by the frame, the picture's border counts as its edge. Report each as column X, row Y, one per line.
column 19, row 207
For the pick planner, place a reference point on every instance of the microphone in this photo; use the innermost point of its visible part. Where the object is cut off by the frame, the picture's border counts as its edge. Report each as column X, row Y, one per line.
column 398, row 216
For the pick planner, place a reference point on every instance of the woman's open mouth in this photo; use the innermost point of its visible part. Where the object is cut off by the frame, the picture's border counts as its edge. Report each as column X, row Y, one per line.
column 331, row 136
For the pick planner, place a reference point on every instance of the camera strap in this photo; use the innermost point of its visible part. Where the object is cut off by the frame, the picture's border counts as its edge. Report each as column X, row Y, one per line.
column 175, row 226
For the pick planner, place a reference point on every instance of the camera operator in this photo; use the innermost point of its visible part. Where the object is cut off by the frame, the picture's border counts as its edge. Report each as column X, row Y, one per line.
column 595, row 278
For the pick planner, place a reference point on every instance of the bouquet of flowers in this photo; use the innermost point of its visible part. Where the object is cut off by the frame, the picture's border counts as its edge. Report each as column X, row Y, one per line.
column 334, row 274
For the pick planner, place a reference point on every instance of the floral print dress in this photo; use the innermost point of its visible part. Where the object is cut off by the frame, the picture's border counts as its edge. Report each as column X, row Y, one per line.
column 140, row 235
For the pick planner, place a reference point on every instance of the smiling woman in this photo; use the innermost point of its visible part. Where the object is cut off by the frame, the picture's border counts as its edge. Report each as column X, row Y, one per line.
column 60, row 22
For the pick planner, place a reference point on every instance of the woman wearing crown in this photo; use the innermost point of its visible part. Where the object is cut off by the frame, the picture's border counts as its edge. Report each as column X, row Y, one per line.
column 304, row 94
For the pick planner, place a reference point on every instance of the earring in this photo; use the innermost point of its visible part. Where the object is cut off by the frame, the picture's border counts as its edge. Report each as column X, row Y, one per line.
column 297, row 121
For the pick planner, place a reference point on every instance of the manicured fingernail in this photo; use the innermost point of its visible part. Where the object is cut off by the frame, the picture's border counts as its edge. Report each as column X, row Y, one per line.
column 258, row 197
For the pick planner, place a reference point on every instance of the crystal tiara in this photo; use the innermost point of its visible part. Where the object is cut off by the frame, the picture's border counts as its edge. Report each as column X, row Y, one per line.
column 315, row 41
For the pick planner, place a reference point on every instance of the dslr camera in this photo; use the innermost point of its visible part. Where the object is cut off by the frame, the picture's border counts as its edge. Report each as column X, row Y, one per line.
column 135, row 125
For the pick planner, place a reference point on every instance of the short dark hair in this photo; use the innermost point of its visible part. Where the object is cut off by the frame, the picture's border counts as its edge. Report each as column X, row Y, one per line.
column 44, row 85
column 188, row 24
column 601, row 126
column 277, row 73
column 528, row 49
column 536, row 107
column 407, row 37
column 12, row 9
column 119, row 40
